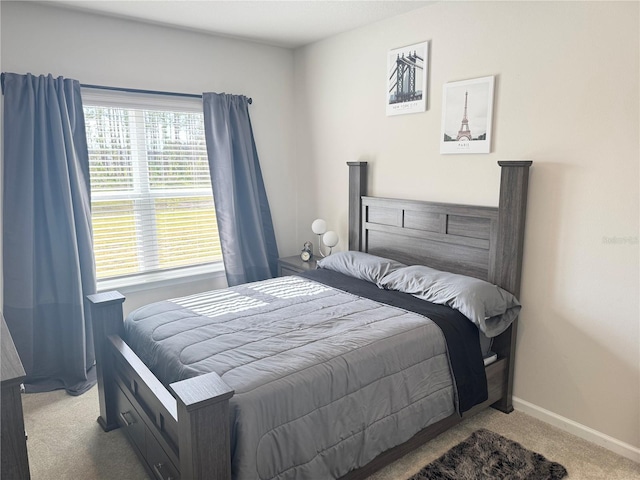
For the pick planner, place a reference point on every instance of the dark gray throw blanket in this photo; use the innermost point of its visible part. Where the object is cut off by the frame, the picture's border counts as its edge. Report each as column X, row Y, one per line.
column 325, row 380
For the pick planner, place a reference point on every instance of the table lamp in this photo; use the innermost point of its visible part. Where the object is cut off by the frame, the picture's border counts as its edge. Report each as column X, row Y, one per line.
column 329, row 238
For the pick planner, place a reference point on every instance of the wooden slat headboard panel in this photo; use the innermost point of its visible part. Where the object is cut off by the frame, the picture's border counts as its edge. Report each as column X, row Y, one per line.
column 452, row 237
column 483, row 242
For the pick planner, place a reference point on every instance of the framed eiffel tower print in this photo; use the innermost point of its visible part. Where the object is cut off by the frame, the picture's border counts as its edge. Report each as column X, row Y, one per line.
column 407, row 72
column 467, row 111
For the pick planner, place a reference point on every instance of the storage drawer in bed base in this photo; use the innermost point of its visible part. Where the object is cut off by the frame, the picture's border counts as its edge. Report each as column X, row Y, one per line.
column 155, row 459
column 130, row 421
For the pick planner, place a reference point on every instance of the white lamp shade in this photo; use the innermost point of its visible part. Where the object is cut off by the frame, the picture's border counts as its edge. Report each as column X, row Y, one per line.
column 319, row 226
column 330, row 239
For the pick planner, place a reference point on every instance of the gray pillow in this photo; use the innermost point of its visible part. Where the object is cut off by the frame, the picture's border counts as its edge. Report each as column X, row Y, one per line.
column 360, row 265
column 490, row 307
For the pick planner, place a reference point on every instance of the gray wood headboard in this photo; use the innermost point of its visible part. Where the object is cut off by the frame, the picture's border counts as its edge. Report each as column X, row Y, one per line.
column 483, row 242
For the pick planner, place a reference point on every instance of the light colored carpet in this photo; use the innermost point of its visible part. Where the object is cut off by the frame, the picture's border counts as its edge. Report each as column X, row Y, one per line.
column 65, row 442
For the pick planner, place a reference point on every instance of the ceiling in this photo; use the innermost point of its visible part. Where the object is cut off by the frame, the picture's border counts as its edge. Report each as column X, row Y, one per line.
column 284, row 23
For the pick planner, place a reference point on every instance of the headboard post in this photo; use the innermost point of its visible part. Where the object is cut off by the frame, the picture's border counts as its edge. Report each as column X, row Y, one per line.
column 357, row 189
column 510, row 241
column 512, row 209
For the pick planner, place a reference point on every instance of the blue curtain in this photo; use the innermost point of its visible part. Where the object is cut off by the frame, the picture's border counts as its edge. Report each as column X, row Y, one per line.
column 249, row 247
column 47, row 241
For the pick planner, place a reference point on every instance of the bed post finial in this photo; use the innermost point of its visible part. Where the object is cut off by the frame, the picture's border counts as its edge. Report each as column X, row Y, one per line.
column 357, row 188
column 512, row 211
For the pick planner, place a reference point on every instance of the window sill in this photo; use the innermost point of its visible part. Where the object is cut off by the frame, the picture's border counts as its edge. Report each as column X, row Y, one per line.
column 150, row 281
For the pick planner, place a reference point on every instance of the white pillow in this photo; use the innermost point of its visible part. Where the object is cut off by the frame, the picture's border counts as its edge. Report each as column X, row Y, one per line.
column 490, row 307
column 360, row 265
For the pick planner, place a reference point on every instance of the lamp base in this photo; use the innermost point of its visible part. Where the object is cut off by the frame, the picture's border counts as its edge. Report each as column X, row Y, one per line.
column 320, row 246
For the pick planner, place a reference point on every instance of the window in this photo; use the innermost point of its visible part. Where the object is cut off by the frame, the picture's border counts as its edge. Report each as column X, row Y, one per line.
column 152, row 205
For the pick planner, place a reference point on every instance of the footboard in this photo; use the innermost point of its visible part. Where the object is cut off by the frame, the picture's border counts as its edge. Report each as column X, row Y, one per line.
column 184, row 435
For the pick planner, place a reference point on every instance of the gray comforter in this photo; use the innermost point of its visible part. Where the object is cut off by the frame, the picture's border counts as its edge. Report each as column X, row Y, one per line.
column 324, row 380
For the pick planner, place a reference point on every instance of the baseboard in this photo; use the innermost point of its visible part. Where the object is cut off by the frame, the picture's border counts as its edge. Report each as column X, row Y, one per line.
column 577, row 429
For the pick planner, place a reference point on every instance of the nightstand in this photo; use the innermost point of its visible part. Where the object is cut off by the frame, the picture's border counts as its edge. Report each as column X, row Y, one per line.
column 293, row 265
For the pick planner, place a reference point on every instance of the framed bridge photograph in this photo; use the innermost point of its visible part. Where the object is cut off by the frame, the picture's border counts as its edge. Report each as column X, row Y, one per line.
column 407, row 72
column 467, row 110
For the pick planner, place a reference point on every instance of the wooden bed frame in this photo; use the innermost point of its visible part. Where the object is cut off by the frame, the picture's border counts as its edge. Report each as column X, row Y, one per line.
column 186, row 434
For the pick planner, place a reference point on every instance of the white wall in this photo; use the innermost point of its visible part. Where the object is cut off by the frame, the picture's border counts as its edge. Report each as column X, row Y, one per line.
column 106, row 51
column 567, row 96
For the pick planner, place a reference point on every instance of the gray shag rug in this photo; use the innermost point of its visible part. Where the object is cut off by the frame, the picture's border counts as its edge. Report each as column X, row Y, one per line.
column 485, row 455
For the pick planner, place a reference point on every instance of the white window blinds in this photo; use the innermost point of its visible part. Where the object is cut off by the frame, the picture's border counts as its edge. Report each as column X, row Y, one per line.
column 152, row 205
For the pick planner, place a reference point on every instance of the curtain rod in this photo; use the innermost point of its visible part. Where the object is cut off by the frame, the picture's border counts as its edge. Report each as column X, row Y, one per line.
column 132, row 90
column 154, row 92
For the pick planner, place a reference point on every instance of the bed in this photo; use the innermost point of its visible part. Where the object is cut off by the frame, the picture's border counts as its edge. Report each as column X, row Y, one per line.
column 178, row 420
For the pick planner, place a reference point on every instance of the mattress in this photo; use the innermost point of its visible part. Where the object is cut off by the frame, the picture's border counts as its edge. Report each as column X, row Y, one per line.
column 325, row 379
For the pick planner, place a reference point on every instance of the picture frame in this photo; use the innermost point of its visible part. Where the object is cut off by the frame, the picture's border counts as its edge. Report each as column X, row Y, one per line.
column 407, row 72
column 467, row 116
